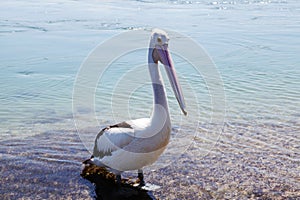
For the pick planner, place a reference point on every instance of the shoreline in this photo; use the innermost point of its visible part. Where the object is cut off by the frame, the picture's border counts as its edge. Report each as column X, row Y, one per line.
column 242, row 165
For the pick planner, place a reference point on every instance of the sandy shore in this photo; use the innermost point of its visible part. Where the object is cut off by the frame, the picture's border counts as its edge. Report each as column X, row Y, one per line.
column 246, row 163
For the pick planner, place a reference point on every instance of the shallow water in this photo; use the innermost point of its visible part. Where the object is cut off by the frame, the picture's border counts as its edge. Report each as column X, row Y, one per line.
column 254, row 45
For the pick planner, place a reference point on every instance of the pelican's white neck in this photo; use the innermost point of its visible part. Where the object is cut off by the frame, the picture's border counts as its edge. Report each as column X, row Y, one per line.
column 160, row 112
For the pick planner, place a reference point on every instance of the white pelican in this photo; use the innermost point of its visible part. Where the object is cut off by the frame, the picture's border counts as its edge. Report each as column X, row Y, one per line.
column 131, row 145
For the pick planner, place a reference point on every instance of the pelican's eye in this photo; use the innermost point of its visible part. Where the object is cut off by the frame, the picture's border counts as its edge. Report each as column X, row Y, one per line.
column 159, row 40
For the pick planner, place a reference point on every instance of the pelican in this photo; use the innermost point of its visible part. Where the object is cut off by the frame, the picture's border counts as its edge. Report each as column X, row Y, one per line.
column 133, row 144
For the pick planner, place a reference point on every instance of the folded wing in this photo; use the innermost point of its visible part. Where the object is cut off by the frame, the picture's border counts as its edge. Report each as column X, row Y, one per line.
column 113, row 138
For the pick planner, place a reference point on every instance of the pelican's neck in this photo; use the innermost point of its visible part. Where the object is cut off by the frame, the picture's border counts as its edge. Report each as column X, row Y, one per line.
column 160, row 112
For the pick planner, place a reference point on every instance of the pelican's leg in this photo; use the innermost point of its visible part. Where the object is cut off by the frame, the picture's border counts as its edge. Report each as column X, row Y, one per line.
column 118, row 177
column 141, row 177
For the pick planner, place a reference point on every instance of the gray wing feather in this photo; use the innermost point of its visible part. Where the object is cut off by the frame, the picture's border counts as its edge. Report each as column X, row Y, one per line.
column 108, row 152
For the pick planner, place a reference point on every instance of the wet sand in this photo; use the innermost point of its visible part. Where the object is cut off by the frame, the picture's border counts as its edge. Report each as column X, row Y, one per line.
column 46, row 166
column 261, row 162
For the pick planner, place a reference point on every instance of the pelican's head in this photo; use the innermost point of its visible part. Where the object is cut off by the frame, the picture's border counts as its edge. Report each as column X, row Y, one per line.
column 159, row 51
column 159, row 37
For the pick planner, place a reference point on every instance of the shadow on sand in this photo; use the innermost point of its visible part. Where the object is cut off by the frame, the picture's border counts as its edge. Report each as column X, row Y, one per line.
column 106, row 187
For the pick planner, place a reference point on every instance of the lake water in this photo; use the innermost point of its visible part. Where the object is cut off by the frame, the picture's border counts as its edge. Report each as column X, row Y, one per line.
column 254, row 45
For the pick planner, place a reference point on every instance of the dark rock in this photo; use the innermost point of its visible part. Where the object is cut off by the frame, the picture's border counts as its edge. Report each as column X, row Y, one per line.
column 106, row 187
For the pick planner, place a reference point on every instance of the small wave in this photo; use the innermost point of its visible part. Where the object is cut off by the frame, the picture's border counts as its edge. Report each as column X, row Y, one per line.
column 26, row 73
column 20, row 26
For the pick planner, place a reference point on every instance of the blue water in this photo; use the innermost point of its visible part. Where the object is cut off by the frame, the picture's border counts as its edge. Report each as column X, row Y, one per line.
column 254, row 45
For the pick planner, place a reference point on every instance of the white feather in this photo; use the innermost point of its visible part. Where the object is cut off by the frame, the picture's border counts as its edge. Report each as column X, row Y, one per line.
column 128, row 149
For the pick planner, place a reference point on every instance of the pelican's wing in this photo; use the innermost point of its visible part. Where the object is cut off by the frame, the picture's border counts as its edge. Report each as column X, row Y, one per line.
column 112, row 138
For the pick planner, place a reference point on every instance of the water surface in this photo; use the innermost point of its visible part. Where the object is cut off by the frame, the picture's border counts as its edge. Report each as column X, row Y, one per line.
column 254, row 45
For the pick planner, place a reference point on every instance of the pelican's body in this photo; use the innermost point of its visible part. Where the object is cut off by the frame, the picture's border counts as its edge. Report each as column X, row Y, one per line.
column 131, row 145
column 126, row 146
